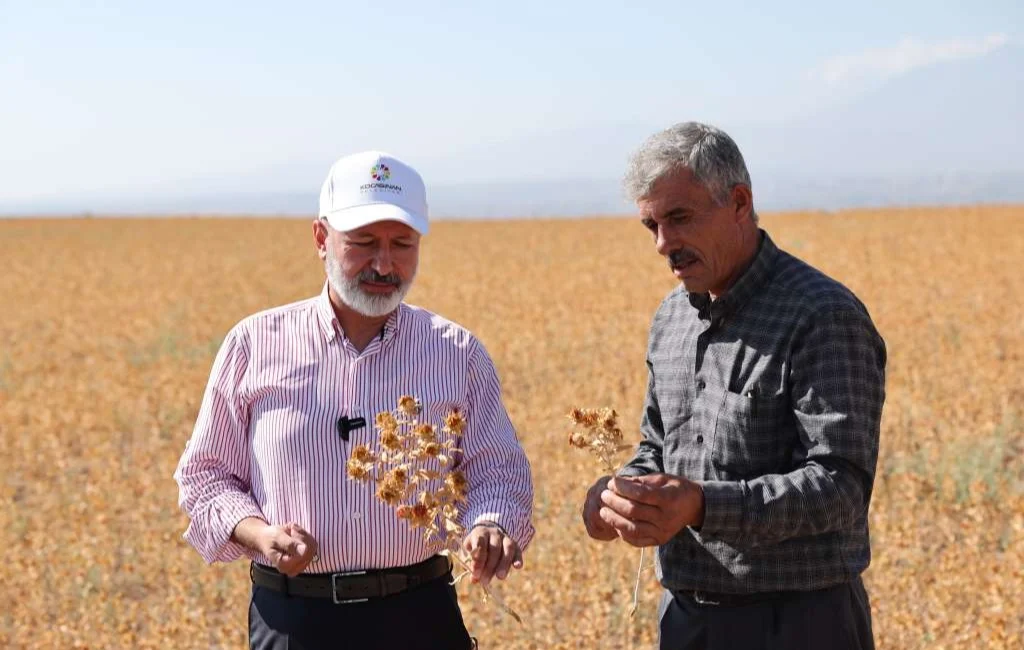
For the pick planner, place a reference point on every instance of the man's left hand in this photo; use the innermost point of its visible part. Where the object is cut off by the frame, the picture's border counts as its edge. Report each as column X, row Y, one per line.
column 493, row 553
column 650, row 510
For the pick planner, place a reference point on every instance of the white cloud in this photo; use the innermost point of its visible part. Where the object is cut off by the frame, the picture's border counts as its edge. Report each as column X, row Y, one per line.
column 908, row 54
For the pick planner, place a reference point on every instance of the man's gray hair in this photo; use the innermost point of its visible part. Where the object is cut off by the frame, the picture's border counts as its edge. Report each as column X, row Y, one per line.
column 707, row 151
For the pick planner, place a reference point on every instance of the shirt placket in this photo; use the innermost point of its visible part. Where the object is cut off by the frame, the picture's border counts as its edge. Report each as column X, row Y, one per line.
column 356, row 503
column 349, row 498
column 702, row 437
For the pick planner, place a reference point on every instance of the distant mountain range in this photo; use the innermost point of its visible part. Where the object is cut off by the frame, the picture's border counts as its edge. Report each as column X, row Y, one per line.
column 949, row 133
column 586, row 198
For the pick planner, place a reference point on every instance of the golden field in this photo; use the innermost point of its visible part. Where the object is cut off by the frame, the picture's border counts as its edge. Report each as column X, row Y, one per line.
column 108, row 329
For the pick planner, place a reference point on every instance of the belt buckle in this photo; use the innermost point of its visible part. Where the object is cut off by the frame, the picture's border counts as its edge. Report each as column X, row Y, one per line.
column 698, row 597
column 334, row 588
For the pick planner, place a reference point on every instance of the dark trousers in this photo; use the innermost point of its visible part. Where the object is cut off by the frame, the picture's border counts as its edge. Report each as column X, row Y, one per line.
column 838, row 618
column 426, row 617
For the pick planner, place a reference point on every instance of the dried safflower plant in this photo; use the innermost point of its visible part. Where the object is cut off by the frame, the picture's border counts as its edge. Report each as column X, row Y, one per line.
column 413, row 474
column 600, row 435
column 597, row 431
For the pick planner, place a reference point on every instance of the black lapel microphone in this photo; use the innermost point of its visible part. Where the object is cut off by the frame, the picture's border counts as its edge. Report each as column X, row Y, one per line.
column 347, row 425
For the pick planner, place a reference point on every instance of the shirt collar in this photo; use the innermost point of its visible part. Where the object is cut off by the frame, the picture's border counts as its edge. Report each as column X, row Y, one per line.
column 393, row 322
column 746, row 286
column 331, row 327
column 325, row 314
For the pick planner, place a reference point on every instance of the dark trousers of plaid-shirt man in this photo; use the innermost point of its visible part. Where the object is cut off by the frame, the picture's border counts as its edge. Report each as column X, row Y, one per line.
column 770, row 398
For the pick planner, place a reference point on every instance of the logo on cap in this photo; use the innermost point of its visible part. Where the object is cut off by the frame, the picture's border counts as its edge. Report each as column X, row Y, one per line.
column 380, row 172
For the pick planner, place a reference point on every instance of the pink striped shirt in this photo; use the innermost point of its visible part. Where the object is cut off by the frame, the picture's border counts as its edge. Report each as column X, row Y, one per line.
column 266, row 442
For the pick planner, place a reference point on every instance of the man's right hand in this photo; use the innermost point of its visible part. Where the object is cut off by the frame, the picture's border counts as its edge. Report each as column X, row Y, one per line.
column 290, row 548
column 596, row 527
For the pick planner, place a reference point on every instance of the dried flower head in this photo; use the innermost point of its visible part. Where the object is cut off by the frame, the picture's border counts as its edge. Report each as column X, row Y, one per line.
column 387, row 422
column 398, row 475
column 420, row 516
column 608, row 419
column 390, row 440
column 426, row 433
column 390, row 492
column 357, row 469
column 362, row 454
column 457, row 485
column 455, row 422
column 583, row 417
column 408, row 405
column 431, row 449
column 600, row 434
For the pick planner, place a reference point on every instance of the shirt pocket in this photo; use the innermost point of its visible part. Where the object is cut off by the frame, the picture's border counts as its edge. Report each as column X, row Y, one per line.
column 750, row 436
column 673, row 392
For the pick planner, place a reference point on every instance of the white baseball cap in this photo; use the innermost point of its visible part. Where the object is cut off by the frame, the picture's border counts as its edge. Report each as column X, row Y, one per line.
column 373, row 186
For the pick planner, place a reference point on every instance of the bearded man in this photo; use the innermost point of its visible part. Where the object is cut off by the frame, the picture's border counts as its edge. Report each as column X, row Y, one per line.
column 295, row 389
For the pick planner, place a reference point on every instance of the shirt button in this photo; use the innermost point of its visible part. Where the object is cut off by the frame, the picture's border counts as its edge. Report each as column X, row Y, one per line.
column 357, row 515
column 700, row 384
column 700, row 439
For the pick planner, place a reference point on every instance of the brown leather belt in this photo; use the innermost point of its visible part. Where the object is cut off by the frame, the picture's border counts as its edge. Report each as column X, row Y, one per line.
column 352, row 586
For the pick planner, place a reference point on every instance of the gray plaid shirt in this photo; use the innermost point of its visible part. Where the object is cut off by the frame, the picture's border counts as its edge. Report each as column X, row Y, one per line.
column 770, row 397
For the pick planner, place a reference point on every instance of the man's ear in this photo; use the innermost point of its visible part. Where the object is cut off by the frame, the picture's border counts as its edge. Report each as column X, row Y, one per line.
column 320, row 235
column 743, row 202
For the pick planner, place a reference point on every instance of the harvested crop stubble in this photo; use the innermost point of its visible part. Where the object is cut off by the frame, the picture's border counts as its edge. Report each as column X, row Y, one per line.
column 108, row 329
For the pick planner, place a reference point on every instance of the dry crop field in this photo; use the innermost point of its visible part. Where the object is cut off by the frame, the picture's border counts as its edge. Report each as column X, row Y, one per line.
column 108, row 329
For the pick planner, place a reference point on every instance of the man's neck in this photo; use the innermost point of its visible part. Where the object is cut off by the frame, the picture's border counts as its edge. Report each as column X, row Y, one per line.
column 359, row 329
column 749, row 247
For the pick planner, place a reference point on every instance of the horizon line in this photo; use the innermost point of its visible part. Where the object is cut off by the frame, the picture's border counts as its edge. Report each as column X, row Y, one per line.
column 114, row 215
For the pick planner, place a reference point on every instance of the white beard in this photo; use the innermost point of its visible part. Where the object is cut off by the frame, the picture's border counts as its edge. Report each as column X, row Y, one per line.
column 367, row 304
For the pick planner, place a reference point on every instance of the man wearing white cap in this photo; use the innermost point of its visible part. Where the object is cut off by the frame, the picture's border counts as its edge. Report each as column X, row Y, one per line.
column 289, row 397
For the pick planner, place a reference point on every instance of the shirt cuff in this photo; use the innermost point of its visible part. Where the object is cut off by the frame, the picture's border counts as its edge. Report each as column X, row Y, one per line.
column 633, row 470
column 488, row 522
column 213, row 541
column 522, row 533
column 723, row 509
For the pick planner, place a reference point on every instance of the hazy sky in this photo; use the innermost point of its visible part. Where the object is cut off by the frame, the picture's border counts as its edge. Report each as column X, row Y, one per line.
column 111, row 97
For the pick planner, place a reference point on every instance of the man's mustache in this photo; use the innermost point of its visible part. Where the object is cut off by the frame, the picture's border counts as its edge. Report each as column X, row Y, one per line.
column 369, row 275
column 681, row 257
